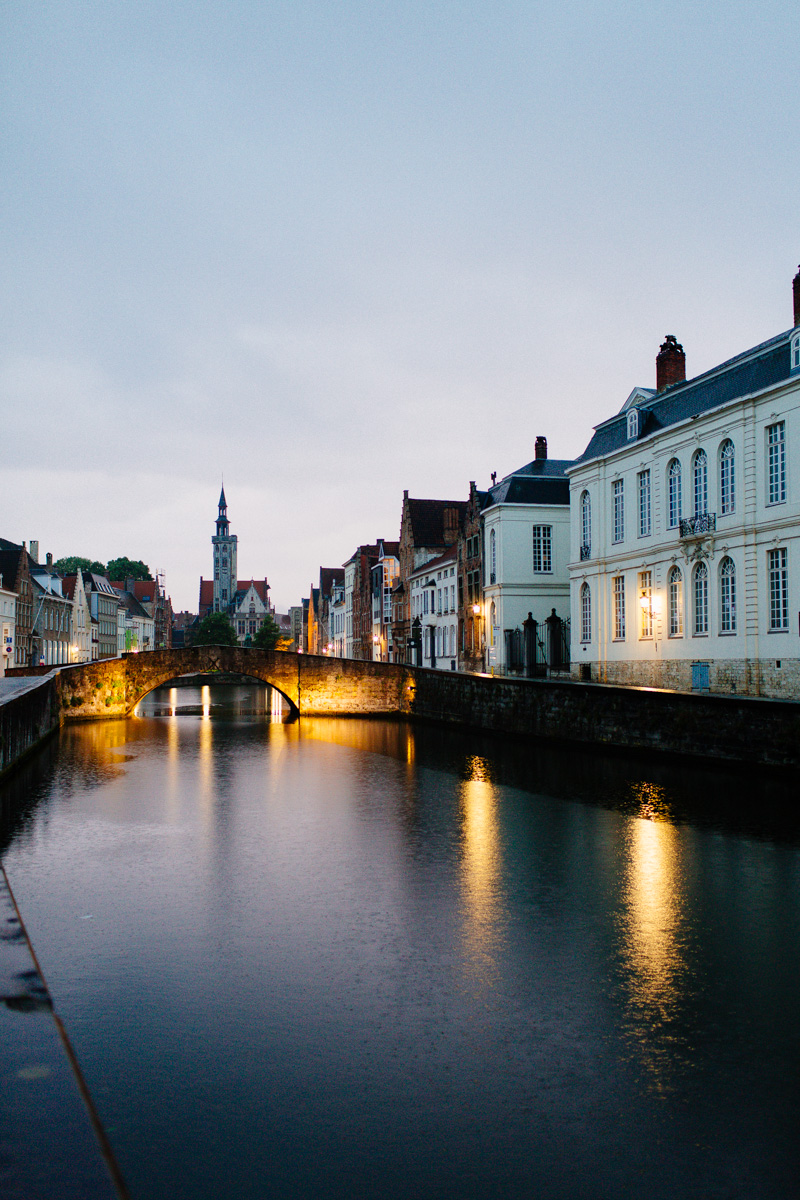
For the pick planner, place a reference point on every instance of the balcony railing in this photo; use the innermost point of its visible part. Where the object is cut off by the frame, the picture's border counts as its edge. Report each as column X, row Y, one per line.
column 586, row 551
column 694, row 526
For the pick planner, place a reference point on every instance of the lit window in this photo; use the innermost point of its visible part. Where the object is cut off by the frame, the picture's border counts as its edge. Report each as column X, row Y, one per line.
column 674, row 493
column 619, row 509
column 727, row 596
column 700, row 600
column 727, row 481
column 646, row 603
column 586, row 613
column 776, row 462
column 675, row 598
column 778, row 589
column 619, row 608
column 644, row 504
column 542, row 549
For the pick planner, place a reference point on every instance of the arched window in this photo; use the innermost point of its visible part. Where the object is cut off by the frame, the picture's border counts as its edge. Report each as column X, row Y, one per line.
column 675, row 597
column 700, row 599
column 674, row 493
column 586, row 613
column 700, row 483
column 727, row 596
column 492, row 619
column 727, row 481
column 795, row 353
column 586, row 525
column 492, row 558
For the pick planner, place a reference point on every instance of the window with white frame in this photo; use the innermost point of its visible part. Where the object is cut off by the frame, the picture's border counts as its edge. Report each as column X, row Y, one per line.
column 618, row 490
column 492, row 557
column 542, row 549
column 727, row 596
column 727, row 480
column 646, row 604
column 700, row 483
column 492, row 623
column 674, row 493
column 794, row 353
column 700, row 628
column 586, row 613
column 633, row 424
column 675, row 602
column 586, row 525
column 778, row 589
column 644, row 504
column 776, row 463
column 619, row 608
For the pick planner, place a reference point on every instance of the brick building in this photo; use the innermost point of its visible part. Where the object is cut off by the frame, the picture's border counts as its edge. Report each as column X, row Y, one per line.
column 427, row 529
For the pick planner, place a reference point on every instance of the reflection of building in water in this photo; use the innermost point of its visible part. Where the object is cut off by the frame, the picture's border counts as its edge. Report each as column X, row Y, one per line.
column 652, row 947
column 480, row 867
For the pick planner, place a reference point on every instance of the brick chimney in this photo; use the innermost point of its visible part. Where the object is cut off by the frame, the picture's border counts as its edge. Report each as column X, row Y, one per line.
column 670, row 363
column 49, row 561
column 796, row 293
column 34, row 550
column 541, row 448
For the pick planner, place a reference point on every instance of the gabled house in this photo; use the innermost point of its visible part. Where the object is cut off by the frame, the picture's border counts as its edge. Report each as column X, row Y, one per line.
column 427, row 529
column 81, row 618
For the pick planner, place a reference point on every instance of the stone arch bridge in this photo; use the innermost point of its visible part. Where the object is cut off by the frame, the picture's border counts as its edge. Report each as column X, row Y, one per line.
column 312, row 684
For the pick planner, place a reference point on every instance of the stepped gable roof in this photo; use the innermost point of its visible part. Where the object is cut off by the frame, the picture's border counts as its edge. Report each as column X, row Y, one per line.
column 752, row 371
column 427, row 519
column 328, row 576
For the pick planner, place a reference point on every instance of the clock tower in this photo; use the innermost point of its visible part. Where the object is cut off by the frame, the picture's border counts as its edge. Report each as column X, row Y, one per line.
column 224, row 544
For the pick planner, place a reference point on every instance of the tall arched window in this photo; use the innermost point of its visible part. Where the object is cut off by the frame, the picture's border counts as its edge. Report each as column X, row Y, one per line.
column 586, row 613
column 675, row 597
column 727, row 596
column 727, row 481
column 700, row 599
column 586, row 525
column 674, row 493
column 492, row 558
column 700, row 483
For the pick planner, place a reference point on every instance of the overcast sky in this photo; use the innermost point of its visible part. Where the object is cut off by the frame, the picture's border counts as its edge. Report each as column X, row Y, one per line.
column 335, row 250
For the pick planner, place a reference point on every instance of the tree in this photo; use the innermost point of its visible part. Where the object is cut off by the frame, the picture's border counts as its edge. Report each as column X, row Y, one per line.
column 70, row 565
column 126, row 568
column 215, row 630
column 268, row 634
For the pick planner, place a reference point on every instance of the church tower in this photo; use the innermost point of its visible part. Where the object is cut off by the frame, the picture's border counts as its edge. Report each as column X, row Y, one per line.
column 224, row 544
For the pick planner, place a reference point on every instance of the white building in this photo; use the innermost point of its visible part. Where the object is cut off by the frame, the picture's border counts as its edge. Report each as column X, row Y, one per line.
column 8, row 622
column 349, row 584
column 685, row 555
column 81, row 618
column 383, row 577
column 434, row 603
column 526, row 523
column 338, row 621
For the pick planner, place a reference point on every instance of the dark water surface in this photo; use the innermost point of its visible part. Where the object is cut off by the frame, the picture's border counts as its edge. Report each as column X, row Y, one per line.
column 365, row 959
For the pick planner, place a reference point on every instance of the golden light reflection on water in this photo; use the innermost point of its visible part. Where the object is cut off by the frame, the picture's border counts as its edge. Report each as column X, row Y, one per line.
column 652, row 935
column 480, row 868
column 205, row 756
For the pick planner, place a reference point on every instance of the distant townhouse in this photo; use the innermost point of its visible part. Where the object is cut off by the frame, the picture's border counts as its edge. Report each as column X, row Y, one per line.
column 428, row 528
column 685, row 559
column 434, row 611
column 80, row 618
column 358, row 600
column 8, row 621
column 104, row 604
column 384, row 575
column 526, row 522
column 135, row 626
column 15, row 577
column 469, row 571
column 52, row 613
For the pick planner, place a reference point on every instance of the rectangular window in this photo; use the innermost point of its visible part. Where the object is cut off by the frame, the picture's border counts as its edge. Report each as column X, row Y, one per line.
column 646, row 603
column 644, row 504
column 542, row 549
column 778, row 589
column 619, row 510
column 776, row 464
column 619, row 608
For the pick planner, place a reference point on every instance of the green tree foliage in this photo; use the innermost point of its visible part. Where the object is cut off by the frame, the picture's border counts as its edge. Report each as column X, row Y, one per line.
column 126, row 568
column 268, row 635
column 215, row 630
column 69, row 565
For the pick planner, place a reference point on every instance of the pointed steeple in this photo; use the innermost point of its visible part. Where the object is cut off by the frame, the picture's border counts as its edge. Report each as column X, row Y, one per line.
column 222, row 502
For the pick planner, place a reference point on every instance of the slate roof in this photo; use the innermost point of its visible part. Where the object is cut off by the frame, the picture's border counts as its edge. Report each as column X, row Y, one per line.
column 132, row 605
column 543, row 481
column 427, row 519
column 9, row 563
column 443, row 560
column 755, row 369
column 243, row 587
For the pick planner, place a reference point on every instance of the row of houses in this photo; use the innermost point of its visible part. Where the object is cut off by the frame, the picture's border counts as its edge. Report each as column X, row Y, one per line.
column 666, row 555
column 48, row 619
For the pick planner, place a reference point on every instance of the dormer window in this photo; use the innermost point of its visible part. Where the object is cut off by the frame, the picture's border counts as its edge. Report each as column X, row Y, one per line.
column 633, row 424
column 794, row 353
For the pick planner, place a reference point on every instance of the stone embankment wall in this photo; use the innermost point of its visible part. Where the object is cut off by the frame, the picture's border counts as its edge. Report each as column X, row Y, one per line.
column 27, row 715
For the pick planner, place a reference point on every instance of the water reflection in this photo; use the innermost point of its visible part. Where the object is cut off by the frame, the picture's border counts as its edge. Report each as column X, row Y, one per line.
column 480, row 867
column 655, row 975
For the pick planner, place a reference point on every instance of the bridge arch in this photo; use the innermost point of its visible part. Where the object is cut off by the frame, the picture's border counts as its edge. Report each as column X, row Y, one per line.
column 145, row 672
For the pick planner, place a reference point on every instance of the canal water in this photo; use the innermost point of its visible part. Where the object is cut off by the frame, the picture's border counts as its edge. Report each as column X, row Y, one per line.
column 369, row 959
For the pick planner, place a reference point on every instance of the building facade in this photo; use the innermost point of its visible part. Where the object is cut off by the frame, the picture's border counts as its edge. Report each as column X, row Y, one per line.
column 685, row 541
column 8, row 621
column 428, row 528
column 15, row 577
column 434, row 611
